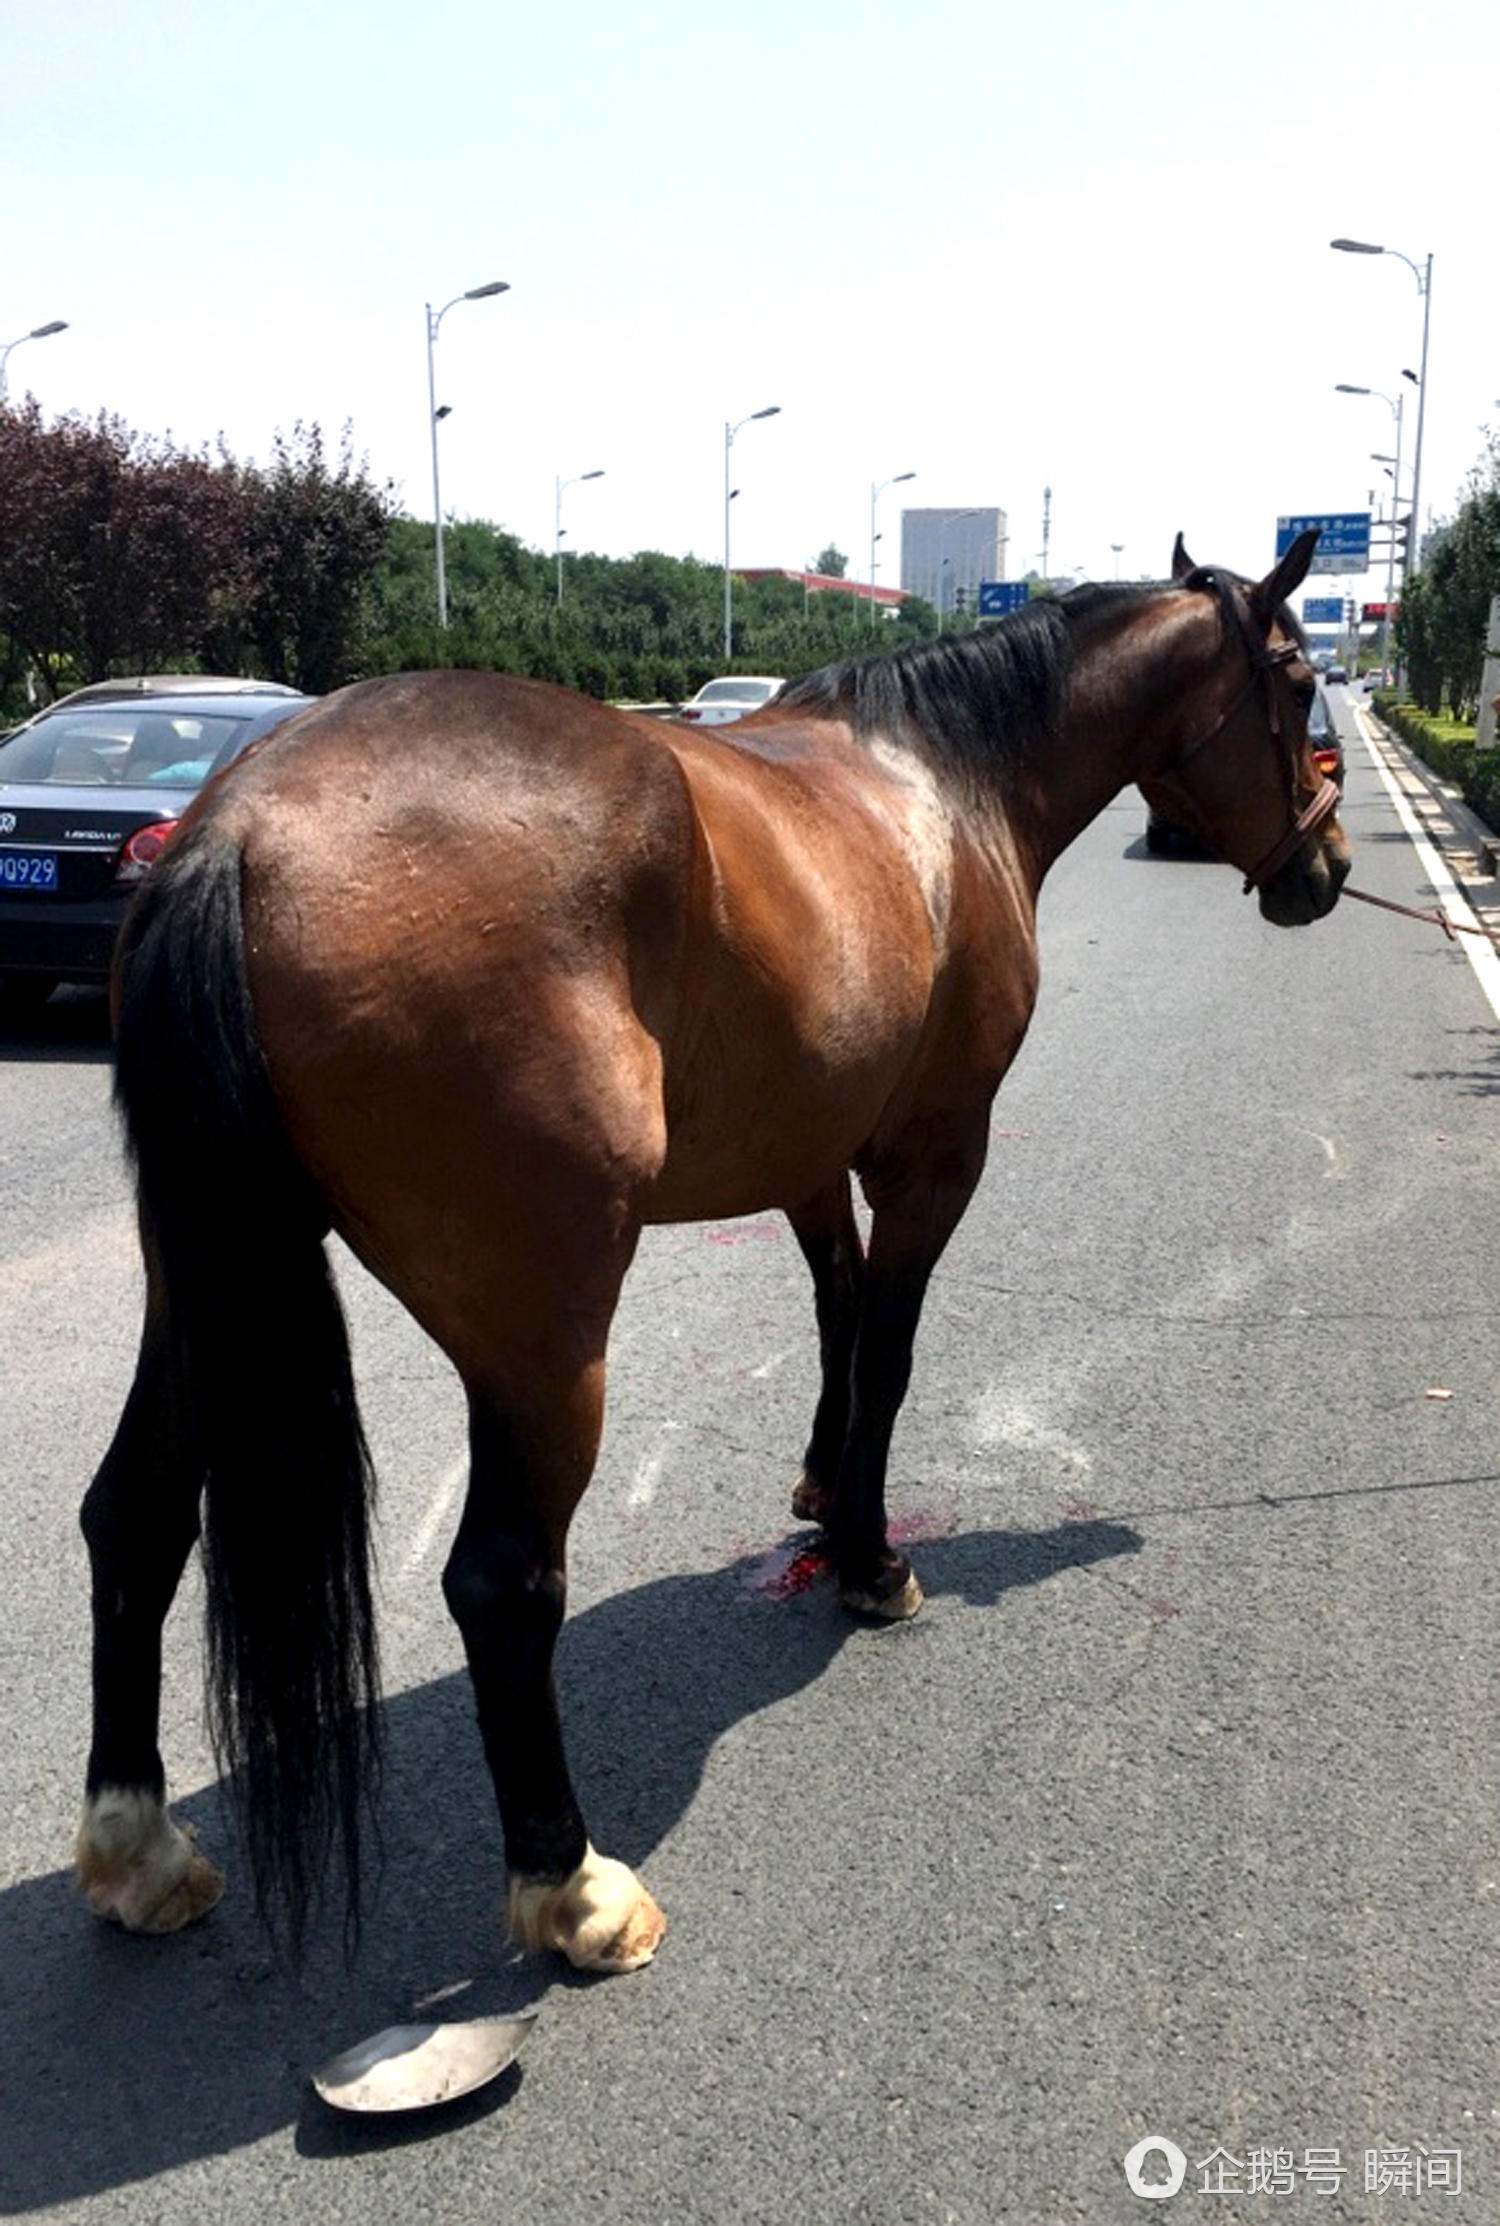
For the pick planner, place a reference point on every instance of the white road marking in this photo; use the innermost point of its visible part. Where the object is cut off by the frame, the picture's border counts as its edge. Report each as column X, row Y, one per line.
column 439, row 1507
column 109, row 1243
column 649, row 1472
column 1330, row 1153
column 1003, row 1419
column 1480, row 955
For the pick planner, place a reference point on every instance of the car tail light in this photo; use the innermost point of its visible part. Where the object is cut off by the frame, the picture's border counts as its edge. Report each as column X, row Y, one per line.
column 1327, row 762
column 143, row 848
column 686, row 714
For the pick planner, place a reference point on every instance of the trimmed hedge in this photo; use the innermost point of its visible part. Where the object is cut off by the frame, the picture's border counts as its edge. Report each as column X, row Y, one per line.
column 1450, row 748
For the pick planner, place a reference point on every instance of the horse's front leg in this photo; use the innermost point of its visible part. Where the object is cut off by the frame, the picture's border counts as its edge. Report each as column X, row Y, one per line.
column 918, row 1194
column 829, row 1236
column 505, row 1586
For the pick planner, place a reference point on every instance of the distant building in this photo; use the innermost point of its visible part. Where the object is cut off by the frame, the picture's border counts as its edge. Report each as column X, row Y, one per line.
column 824, row 583
column 946, row 553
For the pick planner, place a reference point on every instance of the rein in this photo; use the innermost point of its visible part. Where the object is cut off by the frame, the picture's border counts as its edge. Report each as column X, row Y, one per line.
column 1263, row 664
column 1431, row 916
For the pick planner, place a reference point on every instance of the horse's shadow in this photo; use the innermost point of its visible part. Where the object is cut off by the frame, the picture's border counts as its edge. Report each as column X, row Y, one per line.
column 124, row 2057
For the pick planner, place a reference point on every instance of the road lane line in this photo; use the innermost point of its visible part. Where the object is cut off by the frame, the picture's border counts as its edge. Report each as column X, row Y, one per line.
column 1456, row 906
column 648, row 1473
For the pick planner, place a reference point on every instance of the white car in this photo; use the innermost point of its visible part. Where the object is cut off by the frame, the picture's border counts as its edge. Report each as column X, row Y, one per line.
column 719, row 701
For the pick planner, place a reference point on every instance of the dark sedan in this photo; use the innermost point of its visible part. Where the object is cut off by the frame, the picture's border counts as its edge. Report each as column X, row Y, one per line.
column 90, row 791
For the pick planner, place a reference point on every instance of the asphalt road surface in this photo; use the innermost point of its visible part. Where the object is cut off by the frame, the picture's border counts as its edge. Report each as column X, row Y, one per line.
column 1173, row 1814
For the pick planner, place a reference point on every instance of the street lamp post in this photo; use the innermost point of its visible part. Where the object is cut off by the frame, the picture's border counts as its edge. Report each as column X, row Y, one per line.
column 956, row 519
column 1423, row 276
column 562, row 484
column 729, row 433
column 875, row 495
column 434, row 415
column 37, row 332
column 1393, row 404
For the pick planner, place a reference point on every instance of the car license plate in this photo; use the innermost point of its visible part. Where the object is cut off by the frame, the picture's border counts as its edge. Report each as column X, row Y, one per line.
column 28, row 869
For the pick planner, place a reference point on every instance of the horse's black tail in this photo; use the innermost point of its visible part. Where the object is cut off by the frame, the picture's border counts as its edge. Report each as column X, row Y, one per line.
column 233, row 1231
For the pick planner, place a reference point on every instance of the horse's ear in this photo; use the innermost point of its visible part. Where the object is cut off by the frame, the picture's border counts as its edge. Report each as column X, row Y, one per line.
column 1267, row 599
column 1182, row 563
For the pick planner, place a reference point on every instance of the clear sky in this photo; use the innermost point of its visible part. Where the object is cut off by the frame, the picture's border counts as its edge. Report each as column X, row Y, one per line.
column 1002, row 247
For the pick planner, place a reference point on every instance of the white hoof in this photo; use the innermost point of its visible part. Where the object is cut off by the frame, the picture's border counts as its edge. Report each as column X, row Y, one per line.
column 136, row 1865
column 601, row 1919
column 895, row 1607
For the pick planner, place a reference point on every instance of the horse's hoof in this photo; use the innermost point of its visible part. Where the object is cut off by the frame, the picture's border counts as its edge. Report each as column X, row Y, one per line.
column 897, row 1604
column 139, row 1868
column 811, row 1500
column 601, row 1919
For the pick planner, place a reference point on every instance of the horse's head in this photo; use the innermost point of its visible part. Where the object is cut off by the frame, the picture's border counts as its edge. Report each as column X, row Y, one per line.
column 1237, row 767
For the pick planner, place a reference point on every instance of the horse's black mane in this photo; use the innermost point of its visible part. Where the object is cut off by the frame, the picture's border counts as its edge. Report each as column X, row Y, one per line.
column 977, row 702
column 984, row 702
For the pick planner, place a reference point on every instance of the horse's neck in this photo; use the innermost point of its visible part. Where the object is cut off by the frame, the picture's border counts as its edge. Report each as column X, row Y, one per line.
column 1118, row 689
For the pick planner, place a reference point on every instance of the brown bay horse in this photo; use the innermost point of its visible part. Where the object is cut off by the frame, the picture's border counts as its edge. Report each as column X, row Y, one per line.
column 487, row 977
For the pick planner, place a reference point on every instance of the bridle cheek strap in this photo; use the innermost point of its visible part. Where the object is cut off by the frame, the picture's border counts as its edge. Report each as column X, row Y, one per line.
column 1263, row 663
column 1323, row 806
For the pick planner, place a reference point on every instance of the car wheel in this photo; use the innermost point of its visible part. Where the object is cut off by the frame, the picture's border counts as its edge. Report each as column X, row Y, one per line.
column 24, row 994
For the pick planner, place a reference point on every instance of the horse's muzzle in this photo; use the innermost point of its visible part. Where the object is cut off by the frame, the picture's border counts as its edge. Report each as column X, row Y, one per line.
column 1307, row 887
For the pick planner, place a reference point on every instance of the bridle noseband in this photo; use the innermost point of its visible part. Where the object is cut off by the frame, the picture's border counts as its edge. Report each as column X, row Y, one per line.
column 1263, row 664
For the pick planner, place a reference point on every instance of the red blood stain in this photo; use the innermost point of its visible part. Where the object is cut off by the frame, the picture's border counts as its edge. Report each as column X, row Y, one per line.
column 797, row 1564
column 790, row 1568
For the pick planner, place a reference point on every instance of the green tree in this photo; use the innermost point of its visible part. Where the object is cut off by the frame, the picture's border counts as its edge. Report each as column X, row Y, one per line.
column 831, row 563
column 314, row 535
column 1440, row 628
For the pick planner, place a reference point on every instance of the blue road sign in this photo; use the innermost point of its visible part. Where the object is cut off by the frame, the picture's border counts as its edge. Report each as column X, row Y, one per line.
column 1343, row 539
column 1322, row 610
column 998, row 598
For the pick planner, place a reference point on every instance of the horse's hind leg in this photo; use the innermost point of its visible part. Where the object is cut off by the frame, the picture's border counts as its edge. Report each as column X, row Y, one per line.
column 140, row 1518
column 826, row 1230
column 918, row 1195
column 505, row 1584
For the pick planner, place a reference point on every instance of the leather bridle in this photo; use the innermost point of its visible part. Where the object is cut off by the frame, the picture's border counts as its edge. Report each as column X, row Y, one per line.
column 1263, row 665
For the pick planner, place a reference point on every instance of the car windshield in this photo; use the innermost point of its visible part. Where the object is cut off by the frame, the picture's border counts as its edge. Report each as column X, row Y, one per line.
column 119, row 746
column 736, row 691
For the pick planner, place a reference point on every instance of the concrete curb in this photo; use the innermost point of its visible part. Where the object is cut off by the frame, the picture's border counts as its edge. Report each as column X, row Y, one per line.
column 1470, row 849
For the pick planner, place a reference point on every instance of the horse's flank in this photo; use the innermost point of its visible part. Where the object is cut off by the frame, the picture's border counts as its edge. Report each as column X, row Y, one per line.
column 709, row 966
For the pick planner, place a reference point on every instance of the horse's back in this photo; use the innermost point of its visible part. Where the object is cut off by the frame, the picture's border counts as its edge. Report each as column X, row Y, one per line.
column 463, row 902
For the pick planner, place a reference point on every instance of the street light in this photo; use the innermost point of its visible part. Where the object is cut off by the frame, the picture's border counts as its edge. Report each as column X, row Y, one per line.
column 558, row 540
column 1118, row 548
column 1393, row 404
column 435, row 415
column 875, row 495
column 1423, row 277
column 956, row 518
column 38, row 332
column 729, row 495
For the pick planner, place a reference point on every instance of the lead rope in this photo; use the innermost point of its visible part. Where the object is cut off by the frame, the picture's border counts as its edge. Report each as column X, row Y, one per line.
column 1433, row 917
